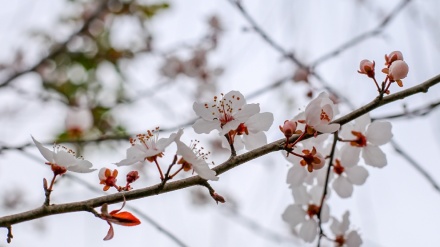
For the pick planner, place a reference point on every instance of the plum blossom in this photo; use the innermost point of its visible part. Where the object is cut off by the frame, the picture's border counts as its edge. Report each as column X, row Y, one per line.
column 193, row 159
column 393, row 56
column 398, row 70
column 320, row 112
column 146, row 147
column 250, row 134
column 63, row 159
column 340, row 229
column 302, row 216
column 78, row 121
column 348, row 173
column 366, row 137
column 223, row 114
column 108, row 178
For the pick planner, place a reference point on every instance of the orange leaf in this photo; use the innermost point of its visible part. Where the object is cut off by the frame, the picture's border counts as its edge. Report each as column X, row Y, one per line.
column 123, row 218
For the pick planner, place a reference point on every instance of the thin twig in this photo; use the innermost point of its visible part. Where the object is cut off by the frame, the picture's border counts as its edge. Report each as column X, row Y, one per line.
column 324, row 193
column 59, row 48
column 362, row 37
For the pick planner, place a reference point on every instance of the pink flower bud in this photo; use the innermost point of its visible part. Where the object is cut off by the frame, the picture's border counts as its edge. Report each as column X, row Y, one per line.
column 366, row 67
column 398, row 70
column 132, row 176
column 288, row 128
column 393, row 56
column 301, row 74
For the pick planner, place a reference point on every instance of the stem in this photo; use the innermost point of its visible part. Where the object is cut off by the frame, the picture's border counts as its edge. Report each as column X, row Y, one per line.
column 48, row 191
column 158, row 168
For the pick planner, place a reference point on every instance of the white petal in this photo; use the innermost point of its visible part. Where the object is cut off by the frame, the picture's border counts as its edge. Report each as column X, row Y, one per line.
column 101, row 173
column 47, row 154
column 379, row 133
column 300, row 195
column 325, row 213
column 82, row 166
column 345, row 132
column 162, row 143
column 259, row 122
column 345, row 222
column 350, row 155
column 202, row 169
column 353, row 239
column 313, row 115
column 294, row 215
column 205, row 110
column 357, row 174
column 253, row 141
column 134, row 155
column 361, row 122
column 309, row 231
column 343, row 187
column 335, row 227
column 327, row 128
column 374, row 156
column 235, row 99
column 62, row 158
column 296, row 175
column 204, row 126
column 246, row 112
column 316, row 194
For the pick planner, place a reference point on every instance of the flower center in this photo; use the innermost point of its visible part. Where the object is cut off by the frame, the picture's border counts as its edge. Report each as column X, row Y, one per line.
column 242, row 129
column 312, row 210
column 340, row 240
column 324, row 116
column 361, row 140
column 337, row 167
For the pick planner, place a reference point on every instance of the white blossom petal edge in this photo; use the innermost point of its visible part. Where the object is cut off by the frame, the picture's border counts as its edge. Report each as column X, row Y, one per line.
column 197, row 163
column 60, row 157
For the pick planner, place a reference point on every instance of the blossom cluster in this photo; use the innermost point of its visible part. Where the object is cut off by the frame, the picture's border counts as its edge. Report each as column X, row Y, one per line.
column 316, row 160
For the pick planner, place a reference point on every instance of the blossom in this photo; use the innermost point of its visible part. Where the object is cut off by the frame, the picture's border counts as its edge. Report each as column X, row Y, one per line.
column 288, row 128
column 223, row 114
column 108, row 178
column 250, row 133
column 121, row 218
column 340, row 229
column 393, row 56
column 78, row 121
column 367, row 137
column 303, row 214
column 348, row 173
column 366, row 67
column 63, row 159
column 193, row 159
column 149, row 147
column 320, row 112
column 398, row 70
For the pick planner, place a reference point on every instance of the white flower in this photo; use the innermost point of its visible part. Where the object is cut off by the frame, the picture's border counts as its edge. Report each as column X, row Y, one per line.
column 351, row 239
column 348, row 173
column 62, row 159
column 308, row 156
column 302, row 215
column 224, row 114
column 149, row 148
column 366, row 137
column 320, row 112
column 250, row 133
column 79, row 120
column 194, row 159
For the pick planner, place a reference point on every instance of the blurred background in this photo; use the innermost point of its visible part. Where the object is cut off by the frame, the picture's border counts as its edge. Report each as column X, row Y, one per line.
column 90, row 74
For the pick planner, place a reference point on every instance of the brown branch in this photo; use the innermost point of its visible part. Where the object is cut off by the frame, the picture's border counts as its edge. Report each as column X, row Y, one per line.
column 59, row 48
column 196, row 180
column 324, row 193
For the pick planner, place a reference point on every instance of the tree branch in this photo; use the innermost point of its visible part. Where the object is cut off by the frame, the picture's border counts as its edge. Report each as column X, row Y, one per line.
column 196, row 180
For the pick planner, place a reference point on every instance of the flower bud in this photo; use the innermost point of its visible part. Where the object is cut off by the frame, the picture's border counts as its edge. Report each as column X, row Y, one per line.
column 288, row 128
column 398, row 70
column 132, row 176
column 366, row 67
column 393, row 56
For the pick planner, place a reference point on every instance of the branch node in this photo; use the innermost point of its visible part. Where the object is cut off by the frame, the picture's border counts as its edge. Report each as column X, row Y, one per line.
column 9, row 235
